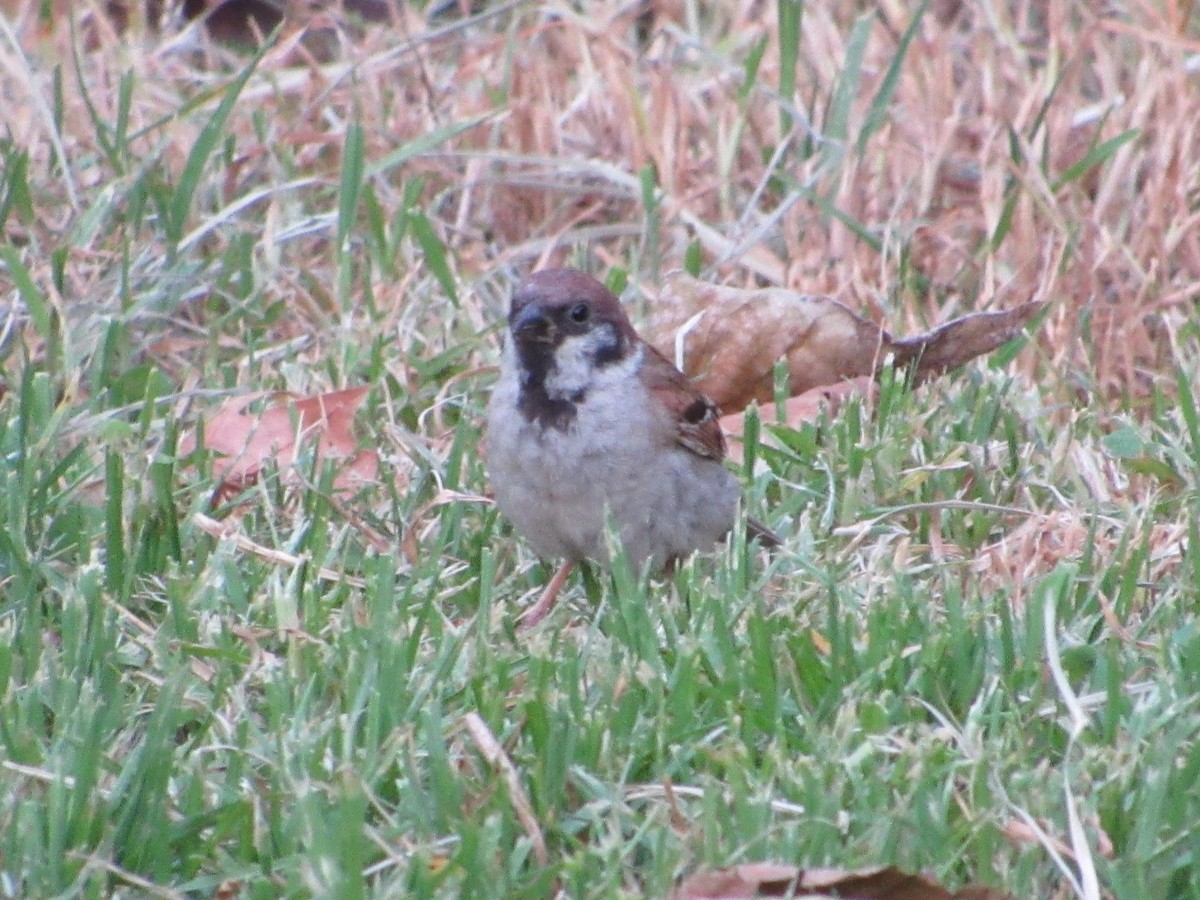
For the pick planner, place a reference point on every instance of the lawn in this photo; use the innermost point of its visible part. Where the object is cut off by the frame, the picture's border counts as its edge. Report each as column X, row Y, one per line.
column 976, row 654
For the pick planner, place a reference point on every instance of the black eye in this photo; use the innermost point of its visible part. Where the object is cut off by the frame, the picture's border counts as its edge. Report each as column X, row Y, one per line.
column 580, row 313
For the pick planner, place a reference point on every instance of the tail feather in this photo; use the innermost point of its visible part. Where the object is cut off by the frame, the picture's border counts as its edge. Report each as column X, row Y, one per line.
column 761, row 533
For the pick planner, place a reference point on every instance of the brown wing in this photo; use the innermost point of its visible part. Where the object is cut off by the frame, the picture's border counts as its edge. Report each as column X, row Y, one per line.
column 694, row 415
column 696, row 418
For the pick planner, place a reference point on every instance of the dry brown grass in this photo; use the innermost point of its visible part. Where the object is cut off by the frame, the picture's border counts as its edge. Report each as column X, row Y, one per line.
column 577, row 105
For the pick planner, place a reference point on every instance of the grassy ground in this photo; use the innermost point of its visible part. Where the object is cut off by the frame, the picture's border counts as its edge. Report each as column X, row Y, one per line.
column 978, row 653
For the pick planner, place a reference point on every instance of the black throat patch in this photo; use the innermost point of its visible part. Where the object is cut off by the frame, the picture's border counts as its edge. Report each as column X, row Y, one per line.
column 534, row 404
column 538, row 363
column 550, row 412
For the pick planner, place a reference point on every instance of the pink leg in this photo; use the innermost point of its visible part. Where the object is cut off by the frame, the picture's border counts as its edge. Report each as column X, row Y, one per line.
column 545, row 603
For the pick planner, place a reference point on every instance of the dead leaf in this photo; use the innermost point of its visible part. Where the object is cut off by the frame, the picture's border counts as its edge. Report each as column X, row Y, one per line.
column 371, row 10
column 1021, row 832
column 777, row 880
column 748, row 880
column 243, row 22
column 961, row 340
column 732, row 338
column 247, row 440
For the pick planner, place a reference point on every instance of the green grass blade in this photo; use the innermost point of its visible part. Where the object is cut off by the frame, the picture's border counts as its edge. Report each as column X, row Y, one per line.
column 44, row 316
column 891, row 79
column 426, row 143
column 790, row 19
column 15, row 188
column 193, row 168
column 114, row 543
column 434, row 254
column 1096, row 156
column 351, row 183
column 837, row 123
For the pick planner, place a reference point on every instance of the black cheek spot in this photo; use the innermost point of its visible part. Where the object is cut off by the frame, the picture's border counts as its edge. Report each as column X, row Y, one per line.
column 611, row 351
column 697, row 411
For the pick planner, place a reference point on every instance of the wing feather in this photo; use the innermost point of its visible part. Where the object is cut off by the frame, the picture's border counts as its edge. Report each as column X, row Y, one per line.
column 696, row 418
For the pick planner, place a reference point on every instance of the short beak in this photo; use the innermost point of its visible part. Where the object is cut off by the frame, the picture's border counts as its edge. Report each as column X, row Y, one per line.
column 532, row 324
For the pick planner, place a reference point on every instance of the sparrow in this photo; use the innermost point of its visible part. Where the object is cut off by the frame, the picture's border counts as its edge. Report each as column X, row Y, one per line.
column 588, row 424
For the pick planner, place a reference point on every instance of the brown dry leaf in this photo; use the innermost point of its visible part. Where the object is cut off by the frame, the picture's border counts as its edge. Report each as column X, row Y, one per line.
column 961, row 340
column 1021, row 832
column 777, row 880
column 732, row 339
column 243, row 22
column 747, row 880
column 248, row 440
column 317, row 26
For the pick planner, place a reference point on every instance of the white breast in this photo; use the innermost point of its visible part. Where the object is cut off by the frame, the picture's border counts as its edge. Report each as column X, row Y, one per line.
column 618, row 455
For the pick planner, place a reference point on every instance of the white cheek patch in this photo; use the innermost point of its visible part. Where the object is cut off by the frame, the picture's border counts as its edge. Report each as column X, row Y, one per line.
column 575, row 370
